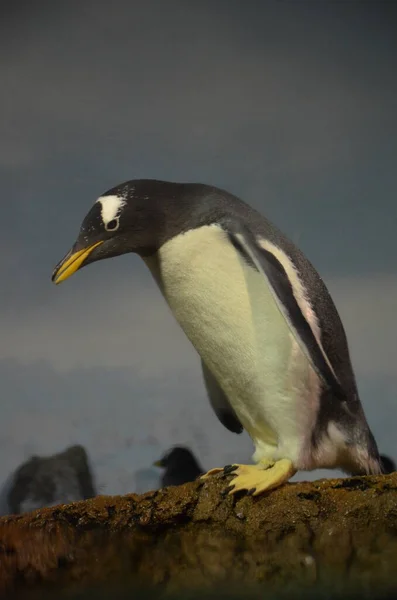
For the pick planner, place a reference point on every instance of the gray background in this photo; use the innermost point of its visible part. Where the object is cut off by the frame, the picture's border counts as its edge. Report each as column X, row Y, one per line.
column 291, row 105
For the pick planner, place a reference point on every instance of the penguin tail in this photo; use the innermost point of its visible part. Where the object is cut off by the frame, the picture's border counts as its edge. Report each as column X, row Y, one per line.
column 387, row 464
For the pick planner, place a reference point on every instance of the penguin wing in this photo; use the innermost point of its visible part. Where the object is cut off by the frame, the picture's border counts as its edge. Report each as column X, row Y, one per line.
column 282, row 290
column 219, row 402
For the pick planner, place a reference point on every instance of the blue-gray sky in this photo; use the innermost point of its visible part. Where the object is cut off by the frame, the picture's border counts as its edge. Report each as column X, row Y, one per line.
column 289, row 104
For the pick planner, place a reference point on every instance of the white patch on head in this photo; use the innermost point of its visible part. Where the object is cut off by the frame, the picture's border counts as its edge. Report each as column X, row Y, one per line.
column 111, row 207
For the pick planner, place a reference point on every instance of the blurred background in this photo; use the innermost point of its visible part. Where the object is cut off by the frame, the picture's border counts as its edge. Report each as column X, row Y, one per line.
column 289, row 104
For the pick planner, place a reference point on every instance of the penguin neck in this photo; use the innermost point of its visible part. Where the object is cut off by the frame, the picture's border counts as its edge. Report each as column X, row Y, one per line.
column 171, row 212
column 164, row 220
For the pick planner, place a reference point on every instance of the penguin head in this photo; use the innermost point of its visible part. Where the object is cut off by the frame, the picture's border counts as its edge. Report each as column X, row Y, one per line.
column 178, row 457
column 135, row 216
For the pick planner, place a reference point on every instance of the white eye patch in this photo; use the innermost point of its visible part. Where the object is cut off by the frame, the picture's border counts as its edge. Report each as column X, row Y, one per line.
column 110, row 211
column 113, row 224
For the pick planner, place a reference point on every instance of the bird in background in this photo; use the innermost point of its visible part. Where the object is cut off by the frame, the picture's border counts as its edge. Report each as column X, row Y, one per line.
column 180, row 466
column 274, row 353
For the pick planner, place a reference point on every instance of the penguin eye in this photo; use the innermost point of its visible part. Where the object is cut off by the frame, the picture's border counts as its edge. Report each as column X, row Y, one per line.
column 112, row 225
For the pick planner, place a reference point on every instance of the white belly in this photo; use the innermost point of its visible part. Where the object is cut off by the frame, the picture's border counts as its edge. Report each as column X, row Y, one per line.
column 227, row 311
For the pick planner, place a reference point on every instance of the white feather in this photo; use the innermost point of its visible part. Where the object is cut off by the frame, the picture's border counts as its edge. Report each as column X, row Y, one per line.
column 228, row 312
column 110, row 207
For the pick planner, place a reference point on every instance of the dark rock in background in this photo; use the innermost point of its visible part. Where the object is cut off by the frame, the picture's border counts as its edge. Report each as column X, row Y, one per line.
column 388, row 464
column 4, row 493
column 47, row 481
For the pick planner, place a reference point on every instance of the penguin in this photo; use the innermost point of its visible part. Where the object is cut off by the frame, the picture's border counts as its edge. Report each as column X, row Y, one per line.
column 273, row 350
column 180, row 466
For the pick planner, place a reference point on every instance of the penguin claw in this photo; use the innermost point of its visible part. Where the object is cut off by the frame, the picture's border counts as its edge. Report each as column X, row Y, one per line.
column 229, row 469
column 212, row 472
column 227, row 490
column 256, row 479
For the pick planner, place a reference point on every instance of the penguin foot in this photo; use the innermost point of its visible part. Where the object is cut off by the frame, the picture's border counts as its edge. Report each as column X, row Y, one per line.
column 256, row 479
column 212, row 472
column 228, row 470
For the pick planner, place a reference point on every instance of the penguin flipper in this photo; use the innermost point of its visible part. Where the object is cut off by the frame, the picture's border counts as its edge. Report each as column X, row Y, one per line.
column 282, row 290
column 219, row 402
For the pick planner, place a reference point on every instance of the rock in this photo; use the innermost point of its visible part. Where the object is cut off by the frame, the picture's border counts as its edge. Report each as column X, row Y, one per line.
column 338, row 534
column 4, row 494
column 47, row 481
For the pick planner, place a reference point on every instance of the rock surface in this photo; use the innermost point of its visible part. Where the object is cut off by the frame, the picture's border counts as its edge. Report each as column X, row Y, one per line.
column 339, row 533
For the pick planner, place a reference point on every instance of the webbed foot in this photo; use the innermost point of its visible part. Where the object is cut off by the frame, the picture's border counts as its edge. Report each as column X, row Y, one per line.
column 256, row 479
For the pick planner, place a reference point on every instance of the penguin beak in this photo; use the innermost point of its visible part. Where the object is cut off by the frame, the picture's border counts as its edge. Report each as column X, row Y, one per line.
column 72, row 262
column 158, row 463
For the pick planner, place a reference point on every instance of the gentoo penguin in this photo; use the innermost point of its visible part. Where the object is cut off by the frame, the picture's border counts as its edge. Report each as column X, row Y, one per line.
column 273, row 349
column 180, row 466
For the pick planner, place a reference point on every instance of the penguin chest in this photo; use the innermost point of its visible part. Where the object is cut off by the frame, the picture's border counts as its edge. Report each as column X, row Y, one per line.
column 228, row 313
